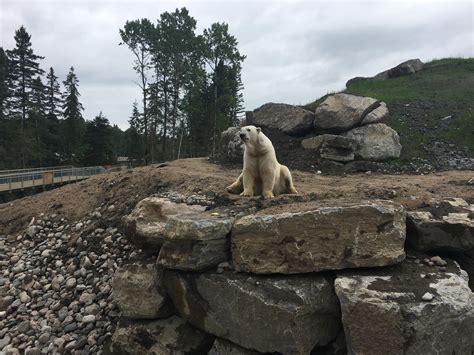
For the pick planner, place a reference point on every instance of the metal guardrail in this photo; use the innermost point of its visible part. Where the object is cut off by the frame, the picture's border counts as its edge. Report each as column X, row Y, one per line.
column 46, row 176
column 31, row 170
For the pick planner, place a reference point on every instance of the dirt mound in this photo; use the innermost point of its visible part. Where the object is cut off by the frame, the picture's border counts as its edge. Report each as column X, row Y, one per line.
column 113, row 195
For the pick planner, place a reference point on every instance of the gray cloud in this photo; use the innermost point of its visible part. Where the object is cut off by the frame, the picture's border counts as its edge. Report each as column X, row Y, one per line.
column 296, row 50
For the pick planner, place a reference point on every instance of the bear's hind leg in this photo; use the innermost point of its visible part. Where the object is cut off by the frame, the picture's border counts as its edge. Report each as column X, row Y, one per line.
column 237, row 187
column 286, row 179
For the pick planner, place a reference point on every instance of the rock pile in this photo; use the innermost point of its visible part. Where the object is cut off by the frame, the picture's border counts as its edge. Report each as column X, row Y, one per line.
column 55, row 288
column 342, row 129
column 290, row 279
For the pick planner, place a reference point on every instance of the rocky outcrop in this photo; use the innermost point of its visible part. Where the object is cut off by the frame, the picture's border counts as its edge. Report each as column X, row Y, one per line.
column 195, row 241
column 332, row 147
column 165, row 337
column 291, row 120
column 445, row 225
column 341, row 112
column 375, row 142
column 406, row 68
column 141, row 282
column 335, row 237
column 145, row 226
column 231, row 146
column 407, row 309
column 290, row 315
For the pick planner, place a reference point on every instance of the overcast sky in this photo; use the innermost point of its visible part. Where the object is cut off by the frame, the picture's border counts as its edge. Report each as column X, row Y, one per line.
column 296, row 50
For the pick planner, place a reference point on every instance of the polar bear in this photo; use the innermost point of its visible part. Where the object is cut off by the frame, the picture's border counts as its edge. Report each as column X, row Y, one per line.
column 262, row 174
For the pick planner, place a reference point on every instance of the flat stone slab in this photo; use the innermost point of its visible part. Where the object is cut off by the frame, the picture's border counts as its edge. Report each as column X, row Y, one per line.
column 313, row 237
column 443, row 225
column 145, row 226
column 165, row 337
column 290, row 314
column 408, row 308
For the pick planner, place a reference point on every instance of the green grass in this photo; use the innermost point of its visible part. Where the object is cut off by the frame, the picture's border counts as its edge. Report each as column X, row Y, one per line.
column 444, row 87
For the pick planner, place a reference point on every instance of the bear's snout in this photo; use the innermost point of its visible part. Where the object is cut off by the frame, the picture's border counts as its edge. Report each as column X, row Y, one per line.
column 242, row 135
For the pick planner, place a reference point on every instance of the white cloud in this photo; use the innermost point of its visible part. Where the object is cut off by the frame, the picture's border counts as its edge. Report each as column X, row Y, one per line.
column 296, row 50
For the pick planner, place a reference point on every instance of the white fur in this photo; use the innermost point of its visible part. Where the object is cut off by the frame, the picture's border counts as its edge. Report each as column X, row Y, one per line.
column 262, row 173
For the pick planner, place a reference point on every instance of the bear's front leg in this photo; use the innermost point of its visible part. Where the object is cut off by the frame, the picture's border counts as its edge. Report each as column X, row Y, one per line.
column 268, row 182
column 248, row 180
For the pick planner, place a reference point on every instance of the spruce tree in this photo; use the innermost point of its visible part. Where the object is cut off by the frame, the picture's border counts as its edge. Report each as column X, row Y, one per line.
column 53, row 96
column 98, row 148
column 3, row 83
column 73, row 124
column 23, row 68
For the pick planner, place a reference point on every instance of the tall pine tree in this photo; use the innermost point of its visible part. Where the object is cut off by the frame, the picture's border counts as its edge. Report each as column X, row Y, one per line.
column 3, row 83
column 73, row 124
column 98, row 149
column 23, row 68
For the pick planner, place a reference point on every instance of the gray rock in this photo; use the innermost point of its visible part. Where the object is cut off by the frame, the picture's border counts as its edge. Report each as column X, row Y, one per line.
column 221, row 347
column 341, row 112
column 332, row 147
column 406, row 68
column 90, row 318
column 193, row 255
column 32, row 351
column 376, row 115
column 5, row 341
column 268, row 314
column 383, row 310
column 197, row 226
column 231, row 146
column 375, row 142
column 31, row 231
column 24, row 326
column 291, row 120
column 140, row 282
column 315, row 237
column 170, row 336
column 71, row 283
column 145, row 226
column 442, row 225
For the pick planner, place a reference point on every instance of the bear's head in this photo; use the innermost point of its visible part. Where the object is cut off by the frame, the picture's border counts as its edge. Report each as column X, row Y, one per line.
column 249, row 134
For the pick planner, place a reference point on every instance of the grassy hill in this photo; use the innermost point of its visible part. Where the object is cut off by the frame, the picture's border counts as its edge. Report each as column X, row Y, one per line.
column 432, row 110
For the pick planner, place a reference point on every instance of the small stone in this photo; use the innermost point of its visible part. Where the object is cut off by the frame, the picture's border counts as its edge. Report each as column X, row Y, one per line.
column 24, row 298
column 44, row 338
column 32, row 351
column 88, row 319
column 71, row 283
column 427, row 297
column 438, row 261
column 24, row 326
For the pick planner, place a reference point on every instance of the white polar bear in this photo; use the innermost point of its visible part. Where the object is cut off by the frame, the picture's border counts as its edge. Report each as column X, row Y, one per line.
column 262, row 174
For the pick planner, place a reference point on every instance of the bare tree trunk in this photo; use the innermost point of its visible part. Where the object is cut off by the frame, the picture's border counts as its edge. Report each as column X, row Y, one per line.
column 165, row 116
column 145, row 111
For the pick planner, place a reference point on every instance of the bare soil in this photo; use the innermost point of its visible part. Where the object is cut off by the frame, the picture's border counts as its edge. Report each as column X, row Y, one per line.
column 200, row 177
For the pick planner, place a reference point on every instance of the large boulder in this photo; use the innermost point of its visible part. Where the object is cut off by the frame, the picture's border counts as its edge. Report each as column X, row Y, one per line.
column 314, row 237
column 145, row 226
column 231, row 146
column 442, row 225
column 341, row 112
column 290, row 315
column 375, row 142
column 172, row 336
column 195, row 241
column 332, row 147
column 408, row 309
column 141, row 282
column 288, row 119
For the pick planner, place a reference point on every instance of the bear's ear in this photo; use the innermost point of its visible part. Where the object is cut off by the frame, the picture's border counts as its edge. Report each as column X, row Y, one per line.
column 259, row 129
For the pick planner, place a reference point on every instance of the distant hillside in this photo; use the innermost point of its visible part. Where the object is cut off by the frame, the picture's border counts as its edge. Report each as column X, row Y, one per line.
column 432, row 110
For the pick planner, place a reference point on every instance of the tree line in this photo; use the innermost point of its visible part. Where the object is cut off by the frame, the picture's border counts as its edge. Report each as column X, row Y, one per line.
column 190, row 85
column 190, row 88
column 41, row 124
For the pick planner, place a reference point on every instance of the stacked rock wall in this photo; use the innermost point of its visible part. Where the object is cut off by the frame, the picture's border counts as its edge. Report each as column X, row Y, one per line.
column 291, row 279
